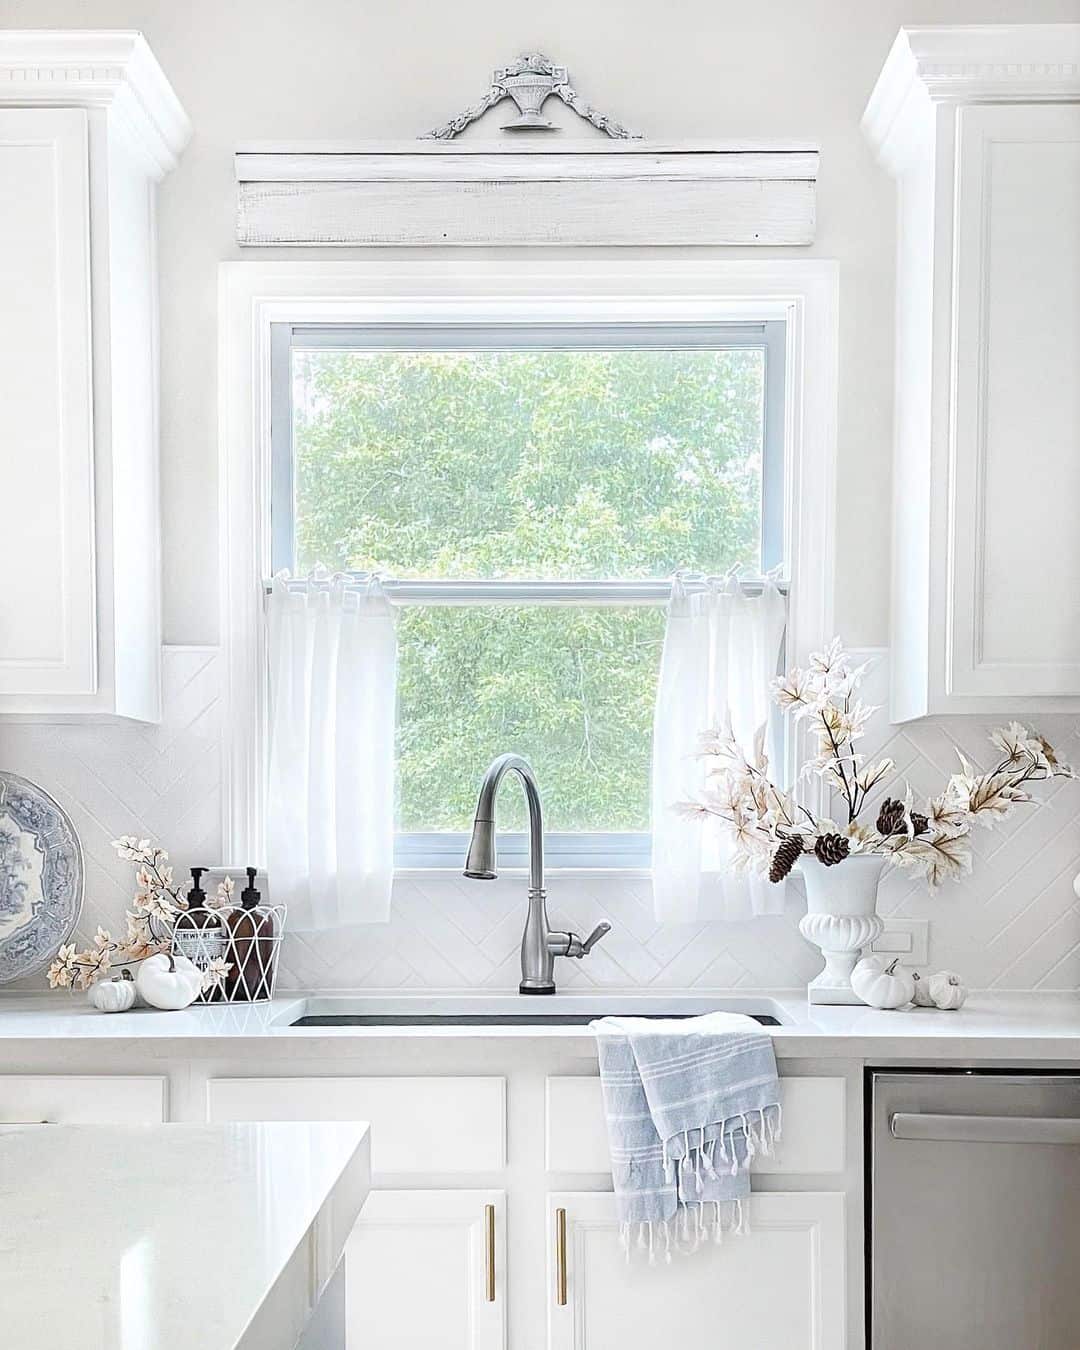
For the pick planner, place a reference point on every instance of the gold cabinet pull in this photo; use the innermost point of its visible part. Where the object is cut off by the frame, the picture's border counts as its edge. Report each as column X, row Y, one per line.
column 489, row 1253
column 560, row 1257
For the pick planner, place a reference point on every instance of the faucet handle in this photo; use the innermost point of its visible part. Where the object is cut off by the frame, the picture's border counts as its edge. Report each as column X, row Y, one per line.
column 569, row 944
column 594, row 937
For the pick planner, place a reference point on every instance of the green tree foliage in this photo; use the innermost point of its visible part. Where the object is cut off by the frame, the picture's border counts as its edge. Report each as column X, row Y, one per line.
column 528, row 464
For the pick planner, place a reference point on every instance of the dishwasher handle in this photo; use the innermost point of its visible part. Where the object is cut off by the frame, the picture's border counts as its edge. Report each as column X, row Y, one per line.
column 985, row 1129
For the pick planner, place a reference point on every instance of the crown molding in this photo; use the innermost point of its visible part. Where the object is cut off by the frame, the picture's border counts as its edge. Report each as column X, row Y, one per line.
column 111, row 70
column 976, row 63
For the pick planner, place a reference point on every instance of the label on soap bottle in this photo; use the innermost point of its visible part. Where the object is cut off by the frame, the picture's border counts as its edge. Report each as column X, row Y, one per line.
column 199, row 945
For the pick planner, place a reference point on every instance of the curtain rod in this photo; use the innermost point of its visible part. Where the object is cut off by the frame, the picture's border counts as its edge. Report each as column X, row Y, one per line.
column 478, row 592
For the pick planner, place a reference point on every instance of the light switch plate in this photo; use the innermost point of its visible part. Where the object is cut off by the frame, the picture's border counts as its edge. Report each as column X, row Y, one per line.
column 909, row 939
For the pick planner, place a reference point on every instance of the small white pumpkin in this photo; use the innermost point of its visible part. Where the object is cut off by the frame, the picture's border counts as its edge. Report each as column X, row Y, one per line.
column 111, row 996
column 947, row 990
column 882, row 985
column 168, row 981
column 922, row 990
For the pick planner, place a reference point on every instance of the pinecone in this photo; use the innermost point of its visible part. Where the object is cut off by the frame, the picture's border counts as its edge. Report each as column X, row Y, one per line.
column 890, row 818
column 787, row 854
column 831, row 848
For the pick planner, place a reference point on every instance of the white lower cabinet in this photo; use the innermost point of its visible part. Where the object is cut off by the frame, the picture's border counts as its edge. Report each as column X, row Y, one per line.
column 425, row 1269
column 82, row 1099
column 780, row 1287
column 471, row 1113
column 812, row 1143
column 427, row 1264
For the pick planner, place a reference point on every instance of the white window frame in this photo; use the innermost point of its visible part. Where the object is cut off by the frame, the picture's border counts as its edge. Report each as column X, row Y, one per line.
column 586, row 849
column 254, row 297
column 767, row 336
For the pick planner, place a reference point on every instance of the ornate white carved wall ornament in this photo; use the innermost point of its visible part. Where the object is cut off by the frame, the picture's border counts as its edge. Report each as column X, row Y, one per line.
column 530, row 81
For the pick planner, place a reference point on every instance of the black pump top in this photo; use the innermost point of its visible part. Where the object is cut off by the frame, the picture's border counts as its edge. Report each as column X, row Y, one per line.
column 196, row 896
column 249, row 896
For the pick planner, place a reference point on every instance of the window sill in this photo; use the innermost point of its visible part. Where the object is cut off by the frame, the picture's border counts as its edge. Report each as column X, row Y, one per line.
column 591, row 854
column 520, row 872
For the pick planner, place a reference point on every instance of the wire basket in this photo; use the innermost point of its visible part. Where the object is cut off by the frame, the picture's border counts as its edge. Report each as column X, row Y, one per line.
column 237, row 951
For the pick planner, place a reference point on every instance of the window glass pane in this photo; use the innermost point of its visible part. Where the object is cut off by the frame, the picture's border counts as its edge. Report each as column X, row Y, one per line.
column 570, row 689
column 584, row 464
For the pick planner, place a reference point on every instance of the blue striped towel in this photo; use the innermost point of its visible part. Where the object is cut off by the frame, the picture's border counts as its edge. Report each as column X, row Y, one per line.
column 689, row 1102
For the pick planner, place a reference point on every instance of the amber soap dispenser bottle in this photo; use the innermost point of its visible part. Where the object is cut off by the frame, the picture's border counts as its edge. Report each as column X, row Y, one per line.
column 198, row 933
column 253, row 930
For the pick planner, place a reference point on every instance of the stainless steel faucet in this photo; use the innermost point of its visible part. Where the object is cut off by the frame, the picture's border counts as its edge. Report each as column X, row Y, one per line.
column 539, row 945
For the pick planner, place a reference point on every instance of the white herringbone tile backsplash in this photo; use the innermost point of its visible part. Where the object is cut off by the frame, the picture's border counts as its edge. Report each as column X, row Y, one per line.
column 159, row 782
column 1014, row 924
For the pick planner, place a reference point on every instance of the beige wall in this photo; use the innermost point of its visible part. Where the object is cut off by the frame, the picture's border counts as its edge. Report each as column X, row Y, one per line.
column 362, row 69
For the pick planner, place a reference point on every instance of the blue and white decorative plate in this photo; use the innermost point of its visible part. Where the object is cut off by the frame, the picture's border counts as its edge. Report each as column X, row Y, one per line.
column 41, row 877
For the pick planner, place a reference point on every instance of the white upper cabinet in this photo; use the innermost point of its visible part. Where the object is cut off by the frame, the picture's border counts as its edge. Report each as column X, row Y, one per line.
column 47, row 625
column 88, row 126
column 981, row 128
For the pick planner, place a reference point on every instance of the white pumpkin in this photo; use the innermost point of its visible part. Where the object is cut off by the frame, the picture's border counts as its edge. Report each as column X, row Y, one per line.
column 881, row 984
column 168, row 981
column 922, row 990
column 947, row 990
column 111, row 996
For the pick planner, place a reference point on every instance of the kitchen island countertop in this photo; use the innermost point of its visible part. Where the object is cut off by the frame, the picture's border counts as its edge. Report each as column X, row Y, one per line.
column 169, row 1237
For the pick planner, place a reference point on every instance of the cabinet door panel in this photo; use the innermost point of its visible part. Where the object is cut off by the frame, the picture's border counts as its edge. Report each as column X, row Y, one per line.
column 47, row 619
column 417, row 1272
column 1016, row 479
column 471, row 1113
column 781, row 1285
column 81, row 1099
column 812, row 1140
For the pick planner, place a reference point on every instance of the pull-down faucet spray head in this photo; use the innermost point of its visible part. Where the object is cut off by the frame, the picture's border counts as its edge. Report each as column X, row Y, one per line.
column 480, row 859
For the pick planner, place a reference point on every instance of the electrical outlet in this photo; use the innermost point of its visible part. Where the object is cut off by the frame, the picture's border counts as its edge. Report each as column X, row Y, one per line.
column 909, row 939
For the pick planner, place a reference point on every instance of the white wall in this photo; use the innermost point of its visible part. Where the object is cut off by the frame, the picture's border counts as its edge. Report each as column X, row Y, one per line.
column 361, row 69
column 368, row 69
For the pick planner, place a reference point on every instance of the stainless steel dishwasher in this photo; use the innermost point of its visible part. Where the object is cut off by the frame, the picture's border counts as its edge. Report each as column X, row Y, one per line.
column 975, row 1210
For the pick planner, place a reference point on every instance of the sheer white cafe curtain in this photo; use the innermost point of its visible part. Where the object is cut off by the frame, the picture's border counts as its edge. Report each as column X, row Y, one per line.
column 330, row 798
column 721, row 649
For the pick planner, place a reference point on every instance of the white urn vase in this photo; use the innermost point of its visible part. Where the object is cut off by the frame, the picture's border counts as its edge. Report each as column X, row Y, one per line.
column 841, row 919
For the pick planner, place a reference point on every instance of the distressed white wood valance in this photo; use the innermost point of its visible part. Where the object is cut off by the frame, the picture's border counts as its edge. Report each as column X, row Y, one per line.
column 432, row 193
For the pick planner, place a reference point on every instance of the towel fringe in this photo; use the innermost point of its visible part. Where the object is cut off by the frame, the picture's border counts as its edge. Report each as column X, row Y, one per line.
column 692, row 1227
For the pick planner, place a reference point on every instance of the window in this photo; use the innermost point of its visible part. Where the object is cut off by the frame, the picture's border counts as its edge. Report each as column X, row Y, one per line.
column 528, row 492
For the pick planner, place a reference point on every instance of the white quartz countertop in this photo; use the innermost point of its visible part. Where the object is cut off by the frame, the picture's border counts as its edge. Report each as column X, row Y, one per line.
column 1014, row 1026
column 172, row 1237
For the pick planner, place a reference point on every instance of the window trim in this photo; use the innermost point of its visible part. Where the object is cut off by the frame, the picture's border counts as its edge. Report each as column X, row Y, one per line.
column 426, row 850
column 254, row 296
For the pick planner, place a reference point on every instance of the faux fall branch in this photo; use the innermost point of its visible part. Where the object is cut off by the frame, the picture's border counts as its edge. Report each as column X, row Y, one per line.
column 157, row 904
column 771, row 830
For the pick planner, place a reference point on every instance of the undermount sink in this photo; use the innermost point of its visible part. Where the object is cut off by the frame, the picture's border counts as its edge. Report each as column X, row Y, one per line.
column 479, row 1010
column 480, row 1019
